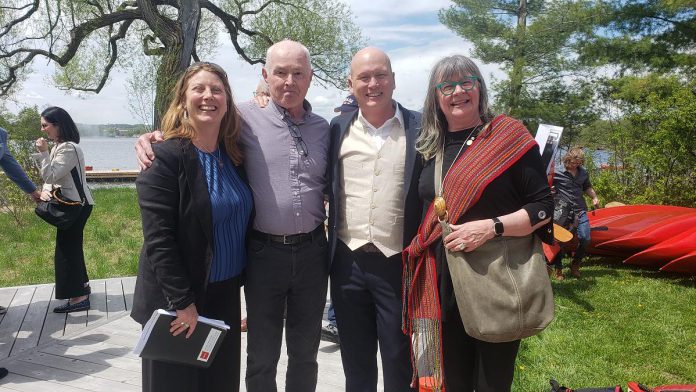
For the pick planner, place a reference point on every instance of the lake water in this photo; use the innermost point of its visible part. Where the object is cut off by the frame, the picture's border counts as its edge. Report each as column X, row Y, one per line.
column 106, row 153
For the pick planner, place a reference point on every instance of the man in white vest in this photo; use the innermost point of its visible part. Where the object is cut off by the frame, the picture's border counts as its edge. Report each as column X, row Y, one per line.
column 374, row 212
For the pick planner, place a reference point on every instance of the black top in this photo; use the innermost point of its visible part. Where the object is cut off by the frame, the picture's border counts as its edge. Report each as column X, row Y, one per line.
column 523, row 185
column 572, row 187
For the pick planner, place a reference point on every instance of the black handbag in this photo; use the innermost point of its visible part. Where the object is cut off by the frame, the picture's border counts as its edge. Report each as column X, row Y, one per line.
column 60, row 211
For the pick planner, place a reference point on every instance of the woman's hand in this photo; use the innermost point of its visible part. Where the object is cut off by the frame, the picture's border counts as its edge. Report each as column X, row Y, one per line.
column 41, row 144
column 186, row 320
column 469, row 236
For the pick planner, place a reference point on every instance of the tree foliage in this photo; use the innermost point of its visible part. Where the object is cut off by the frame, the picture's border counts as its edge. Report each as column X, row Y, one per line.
column 653, row 141
column 532, row 40
column 23, row 130
column 89, row 38
column 644, row 35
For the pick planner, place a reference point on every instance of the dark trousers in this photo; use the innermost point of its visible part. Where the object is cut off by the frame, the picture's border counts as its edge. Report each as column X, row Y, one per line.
column 222, row 303
column 277, row 274
column 366, row 294
column 69, row 259
column 475, row 365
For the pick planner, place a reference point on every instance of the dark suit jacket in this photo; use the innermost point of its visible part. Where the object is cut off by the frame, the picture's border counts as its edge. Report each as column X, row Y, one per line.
column 177, row 228
column 412, row 205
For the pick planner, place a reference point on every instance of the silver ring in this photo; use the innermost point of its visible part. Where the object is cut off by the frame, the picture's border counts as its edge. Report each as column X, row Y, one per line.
column 461, row 246
column 183, row 324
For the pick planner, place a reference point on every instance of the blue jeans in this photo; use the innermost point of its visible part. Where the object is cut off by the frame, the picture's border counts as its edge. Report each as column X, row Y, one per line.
column 331, row 315
column 583, row 233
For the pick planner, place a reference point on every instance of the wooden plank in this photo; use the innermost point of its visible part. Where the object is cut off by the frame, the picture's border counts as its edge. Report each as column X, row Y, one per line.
column 70, row 378
column 128, row 289
column 17, row 382
column 94, row 355
column 102, row 347
column 6, row 296
column 119, row 340
column 30, row 331
column 12, row 321
column 97, row 301
column 84, row 367
column 115, row 299
column 75, row 322
column 54, row 324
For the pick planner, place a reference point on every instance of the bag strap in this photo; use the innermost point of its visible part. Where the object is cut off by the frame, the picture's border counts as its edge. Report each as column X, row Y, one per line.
column 76, row 178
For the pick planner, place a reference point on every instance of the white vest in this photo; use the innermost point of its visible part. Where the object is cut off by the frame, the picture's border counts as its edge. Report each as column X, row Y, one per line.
column 371, row 189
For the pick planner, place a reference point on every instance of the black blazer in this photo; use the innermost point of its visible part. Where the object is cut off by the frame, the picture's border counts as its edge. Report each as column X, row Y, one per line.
column 412, row 205
column 178, row 231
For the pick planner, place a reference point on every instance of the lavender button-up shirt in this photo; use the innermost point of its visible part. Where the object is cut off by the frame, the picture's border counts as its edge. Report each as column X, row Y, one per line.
column 288, row 188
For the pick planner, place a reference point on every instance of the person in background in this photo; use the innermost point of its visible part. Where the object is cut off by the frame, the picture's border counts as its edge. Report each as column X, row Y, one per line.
column 72, row 282
column 329, row 332
column 571, row 184
column 261, row 91
column 373, row 213
column 195, row 206
column 286, row 148
column 15, row 173
column 511, row 197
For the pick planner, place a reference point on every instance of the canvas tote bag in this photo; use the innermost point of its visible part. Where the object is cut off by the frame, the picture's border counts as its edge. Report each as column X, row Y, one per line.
column 502, row 288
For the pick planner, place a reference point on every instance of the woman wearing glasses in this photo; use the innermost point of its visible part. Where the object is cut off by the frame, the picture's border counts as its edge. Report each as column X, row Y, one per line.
column 195, row 206
column 490, row 176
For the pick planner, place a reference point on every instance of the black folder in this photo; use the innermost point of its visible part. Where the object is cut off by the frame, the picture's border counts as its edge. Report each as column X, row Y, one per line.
column 199, row 350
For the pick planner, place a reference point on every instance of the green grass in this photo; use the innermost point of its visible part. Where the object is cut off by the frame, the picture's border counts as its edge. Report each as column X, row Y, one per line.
column 616, row 324
column 113, row 237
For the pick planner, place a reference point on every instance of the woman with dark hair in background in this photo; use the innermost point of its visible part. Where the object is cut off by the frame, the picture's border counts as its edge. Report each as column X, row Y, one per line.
column 195, row 206
column 494, row 188
column 72, row 282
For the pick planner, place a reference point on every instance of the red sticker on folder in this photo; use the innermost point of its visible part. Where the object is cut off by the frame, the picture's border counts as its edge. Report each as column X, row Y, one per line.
column 209, row 345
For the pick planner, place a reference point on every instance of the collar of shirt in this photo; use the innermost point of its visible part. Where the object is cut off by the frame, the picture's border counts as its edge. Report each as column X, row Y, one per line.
column 282, row 113
column 387, row 124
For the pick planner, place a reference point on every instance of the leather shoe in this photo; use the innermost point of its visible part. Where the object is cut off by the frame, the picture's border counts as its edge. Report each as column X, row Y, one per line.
column 3, row 372
column 329, row 333
column 76, row 307
column 3, row 310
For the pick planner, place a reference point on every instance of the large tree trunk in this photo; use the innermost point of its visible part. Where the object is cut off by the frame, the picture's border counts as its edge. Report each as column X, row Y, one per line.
column 179, row 49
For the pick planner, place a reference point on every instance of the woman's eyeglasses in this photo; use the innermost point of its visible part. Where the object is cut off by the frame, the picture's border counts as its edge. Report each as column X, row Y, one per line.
column 447, row 87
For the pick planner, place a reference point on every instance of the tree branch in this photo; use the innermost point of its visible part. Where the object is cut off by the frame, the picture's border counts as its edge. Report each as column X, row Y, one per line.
column 34, row 7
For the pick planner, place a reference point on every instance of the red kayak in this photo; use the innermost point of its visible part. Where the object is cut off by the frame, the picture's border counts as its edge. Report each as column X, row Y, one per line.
column 628, row 224
column 652, row 235
column 685, row 264
column 662, row 253
column 550, row 251
column 632, row 209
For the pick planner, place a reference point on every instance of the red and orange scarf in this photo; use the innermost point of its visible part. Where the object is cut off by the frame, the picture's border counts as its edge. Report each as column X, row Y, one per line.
column 497, row 148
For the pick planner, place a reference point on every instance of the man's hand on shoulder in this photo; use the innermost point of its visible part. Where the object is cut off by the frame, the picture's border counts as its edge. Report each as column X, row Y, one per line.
column 143, row 148
column 262, row 100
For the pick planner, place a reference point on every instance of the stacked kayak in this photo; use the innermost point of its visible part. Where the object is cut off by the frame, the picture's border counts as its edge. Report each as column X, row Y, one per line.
column 649, row 236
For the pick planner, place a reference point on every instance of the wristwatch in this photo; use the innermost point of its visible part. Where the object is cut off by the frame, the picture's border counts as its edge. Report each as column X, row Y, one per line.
column 498, row 227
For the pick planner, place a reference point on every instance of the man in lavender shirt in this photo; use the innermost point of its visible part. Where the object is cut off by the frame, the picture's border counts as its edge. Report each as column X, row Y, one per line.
column 286, row 148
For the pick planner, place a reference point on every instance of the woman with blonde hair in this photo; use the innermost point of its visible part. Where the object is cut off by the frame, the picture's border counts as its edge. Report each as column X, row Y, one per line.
column 570, row 185
column 195, row 206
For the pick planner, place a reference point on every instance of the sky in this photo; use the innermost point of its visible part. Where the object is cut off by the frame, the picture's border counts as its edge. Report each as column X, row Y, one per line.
column 408, row 30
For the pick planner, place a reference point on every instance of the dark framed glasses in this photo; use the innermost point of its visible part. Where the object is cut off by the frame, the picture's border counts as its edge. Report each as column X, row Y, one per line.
column 297, row 137
column 448, row 87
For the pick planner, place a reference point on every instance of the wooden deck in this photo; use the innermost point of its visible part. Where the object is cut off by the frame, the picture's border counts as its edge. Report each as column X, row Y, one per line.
column 92, row 350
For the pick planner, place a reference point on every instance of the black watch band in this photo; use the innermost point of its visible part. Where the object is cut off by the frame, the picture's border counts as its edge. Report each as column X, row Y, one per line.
column 498, row 227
